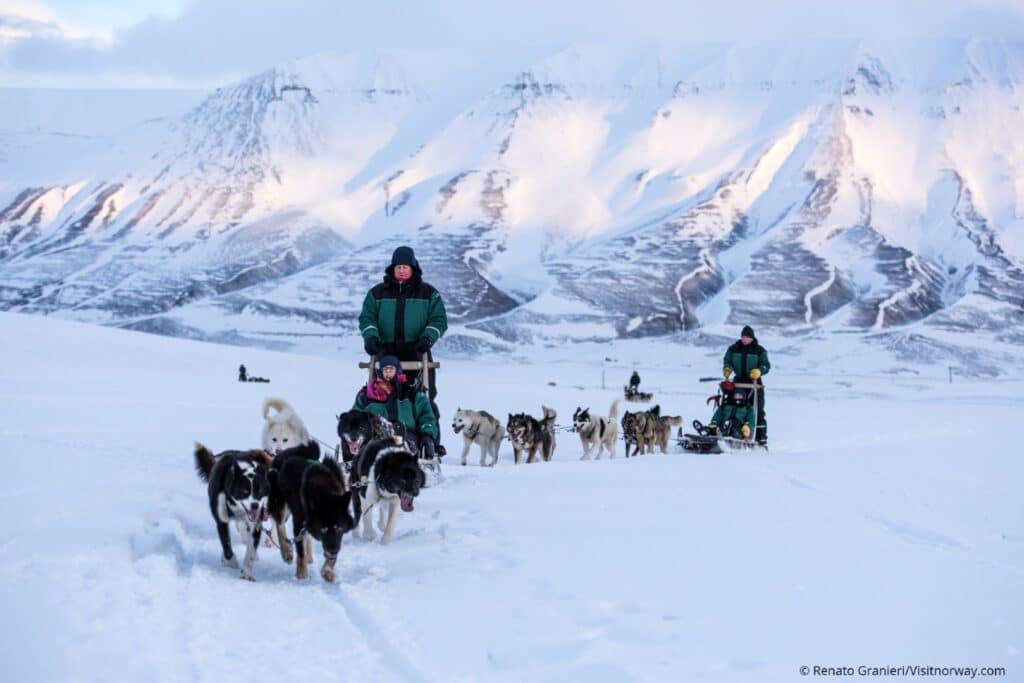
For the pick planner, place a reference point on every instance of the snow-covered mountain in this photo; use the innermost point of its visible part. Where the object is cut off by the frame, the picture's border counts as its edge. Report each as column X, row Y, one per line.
column 800, row 187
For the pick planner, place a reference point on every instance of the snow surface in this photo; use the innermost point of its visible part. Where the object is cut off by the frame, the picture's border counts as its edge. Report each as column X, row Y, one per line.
column 884, row 528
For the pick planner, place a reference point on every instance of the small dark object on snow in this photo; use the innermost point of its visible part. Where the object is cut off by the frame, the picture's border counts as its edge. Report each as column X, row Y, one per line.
column 258, row 379
column 242, row 377
column 633, row 394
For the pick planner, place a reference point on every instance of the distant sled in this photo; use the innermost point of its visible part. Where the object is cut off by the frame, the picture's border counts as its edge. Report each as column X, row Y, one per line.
column 636, row 396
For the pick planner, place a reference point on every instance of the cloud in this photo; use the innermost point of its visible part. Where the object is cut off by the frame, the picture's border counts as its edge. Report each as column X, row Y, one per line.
column 215, row 41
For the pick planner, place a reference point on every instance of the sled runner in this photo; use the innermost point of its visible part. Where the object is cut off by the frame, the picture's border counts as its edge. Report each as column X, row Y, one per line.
column 431, row 466
column 706, row 440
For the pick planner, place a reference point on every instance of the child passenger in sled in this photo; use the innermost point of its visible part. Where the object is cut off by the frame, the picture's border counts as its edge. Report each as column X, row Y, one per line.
column 734, row 417
column 389, row 396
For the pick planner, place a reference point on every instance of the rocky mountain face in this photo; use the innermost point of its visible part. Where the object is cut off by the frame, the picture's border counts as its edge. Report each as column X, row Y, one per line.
column 801, row 188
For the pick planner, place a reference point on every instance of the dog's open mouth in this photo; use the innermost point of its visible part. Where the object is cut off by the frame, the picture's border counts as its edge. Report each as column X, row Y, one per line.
column 254, row 515
column 354, row 445
column 457, row 428
column 406, row 501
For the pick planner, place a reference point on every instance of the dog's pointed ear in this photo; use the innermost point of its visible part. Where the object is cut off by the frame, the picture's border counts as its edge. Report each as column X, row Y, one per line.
column 264, row 458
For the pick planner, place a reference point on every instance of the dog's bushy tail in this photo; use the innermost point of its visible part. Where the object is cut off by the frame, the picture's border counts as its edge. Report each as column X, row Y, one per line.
column 205, row 460
column 613, row 413
column 673, row 420
column 549, row 414
column 284, row 410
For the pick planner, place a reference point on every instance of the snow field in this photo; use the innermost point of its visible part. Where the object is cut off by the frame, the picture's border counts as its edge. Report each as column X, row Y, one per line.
column 883, row 528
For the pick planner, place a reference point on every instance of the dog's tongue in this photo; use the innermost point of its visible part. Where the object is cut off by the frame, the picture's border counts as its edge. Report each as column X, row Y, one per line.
column 254, row 515
column 406, row 501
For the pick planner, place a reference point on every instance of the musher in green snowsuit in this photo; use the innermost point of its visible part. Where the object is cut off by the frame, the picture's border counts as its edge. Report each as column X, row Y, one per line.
column 404, row 316
column 749, row 361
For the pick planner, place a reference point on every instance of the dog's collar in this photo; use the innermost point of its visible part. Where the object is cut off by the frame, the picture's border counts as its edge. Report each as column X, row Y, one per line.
column 363, row 482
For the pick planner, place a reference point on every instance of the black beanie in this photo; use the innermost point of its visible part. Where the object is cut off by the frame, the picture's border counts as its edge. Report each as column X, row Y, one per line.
column 747, row 331
column 404, row 256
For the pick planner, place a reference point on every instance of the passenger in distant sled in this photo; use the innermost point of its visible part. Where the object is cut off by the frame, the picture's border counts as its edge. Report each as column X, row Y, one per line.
column 734, row 416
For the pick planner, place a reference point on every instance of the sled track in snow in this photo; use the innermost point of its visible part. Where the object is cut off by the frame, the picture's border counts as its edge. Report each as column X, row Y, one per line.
column 392, row 657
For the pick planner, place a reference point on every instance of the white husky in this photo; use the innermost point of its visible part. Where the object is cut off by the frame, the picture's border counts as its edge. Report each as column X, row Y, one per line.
column 598, row 432
column 481, row 428
column 284, row 429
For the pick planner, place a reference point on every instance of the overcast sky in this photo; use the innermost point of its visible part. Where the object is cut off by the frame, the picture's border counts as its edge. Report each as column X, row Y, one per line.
column 206, row 43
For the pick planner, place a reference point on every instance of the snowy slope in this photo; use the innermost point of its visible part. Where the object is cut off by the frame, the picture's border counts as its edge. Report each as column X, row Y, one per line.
column 850, row 186
column 883, row 529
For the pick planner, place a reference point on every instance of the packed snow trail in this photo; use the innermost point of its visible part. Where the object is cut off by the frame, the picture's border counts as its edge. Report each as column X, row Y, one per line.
column 885, row 527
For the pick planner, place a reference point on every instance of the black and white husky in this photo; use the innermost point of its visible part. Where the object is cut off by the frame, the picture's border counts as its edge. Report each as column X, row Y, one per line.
column 481, row 428
column 385, row 472
column 239, row 490
column 596, row 432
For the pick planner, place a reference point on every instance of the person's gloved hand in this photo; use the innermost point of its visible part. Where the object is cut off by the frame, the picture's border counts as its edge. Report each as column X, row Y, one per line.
column 745, row 431
column 755, row 374
column 427, row 442
column 372, row 345
column 423, row 345
column 727, row 372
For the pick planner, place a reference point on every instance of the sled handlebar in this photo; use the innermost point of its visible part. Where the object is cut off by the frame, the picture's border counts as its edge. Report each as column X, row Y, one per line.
column 425, row 364
column 406, row 365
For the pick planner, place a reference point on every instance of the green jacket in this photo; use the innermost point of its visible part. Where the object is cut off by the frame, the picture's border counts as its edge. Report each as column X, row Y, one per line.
column 740, row 415
column 399, row 313
column 742, row 359
column 413, row 410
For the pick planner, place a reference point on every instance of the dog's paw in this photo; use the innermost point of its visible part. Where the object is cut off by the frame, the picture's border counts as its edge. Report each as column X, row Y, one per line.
column 247, row 574
column 229, row 562
column 287, row 554
column 328, row 574
column 369, row 535
column 385, row 539
column 300, row 571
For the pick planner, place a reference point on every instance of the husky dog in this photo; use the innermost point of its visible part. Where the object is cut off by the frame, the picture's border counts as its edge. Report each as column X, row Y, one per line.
column 284, row 429
column 529, row 434
column 639, row 430
column 597, row 432
column 481, row 428
column 239, row 490
column 357, row 428
column 663, row 430
column 385, row 472
column 312, row 492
